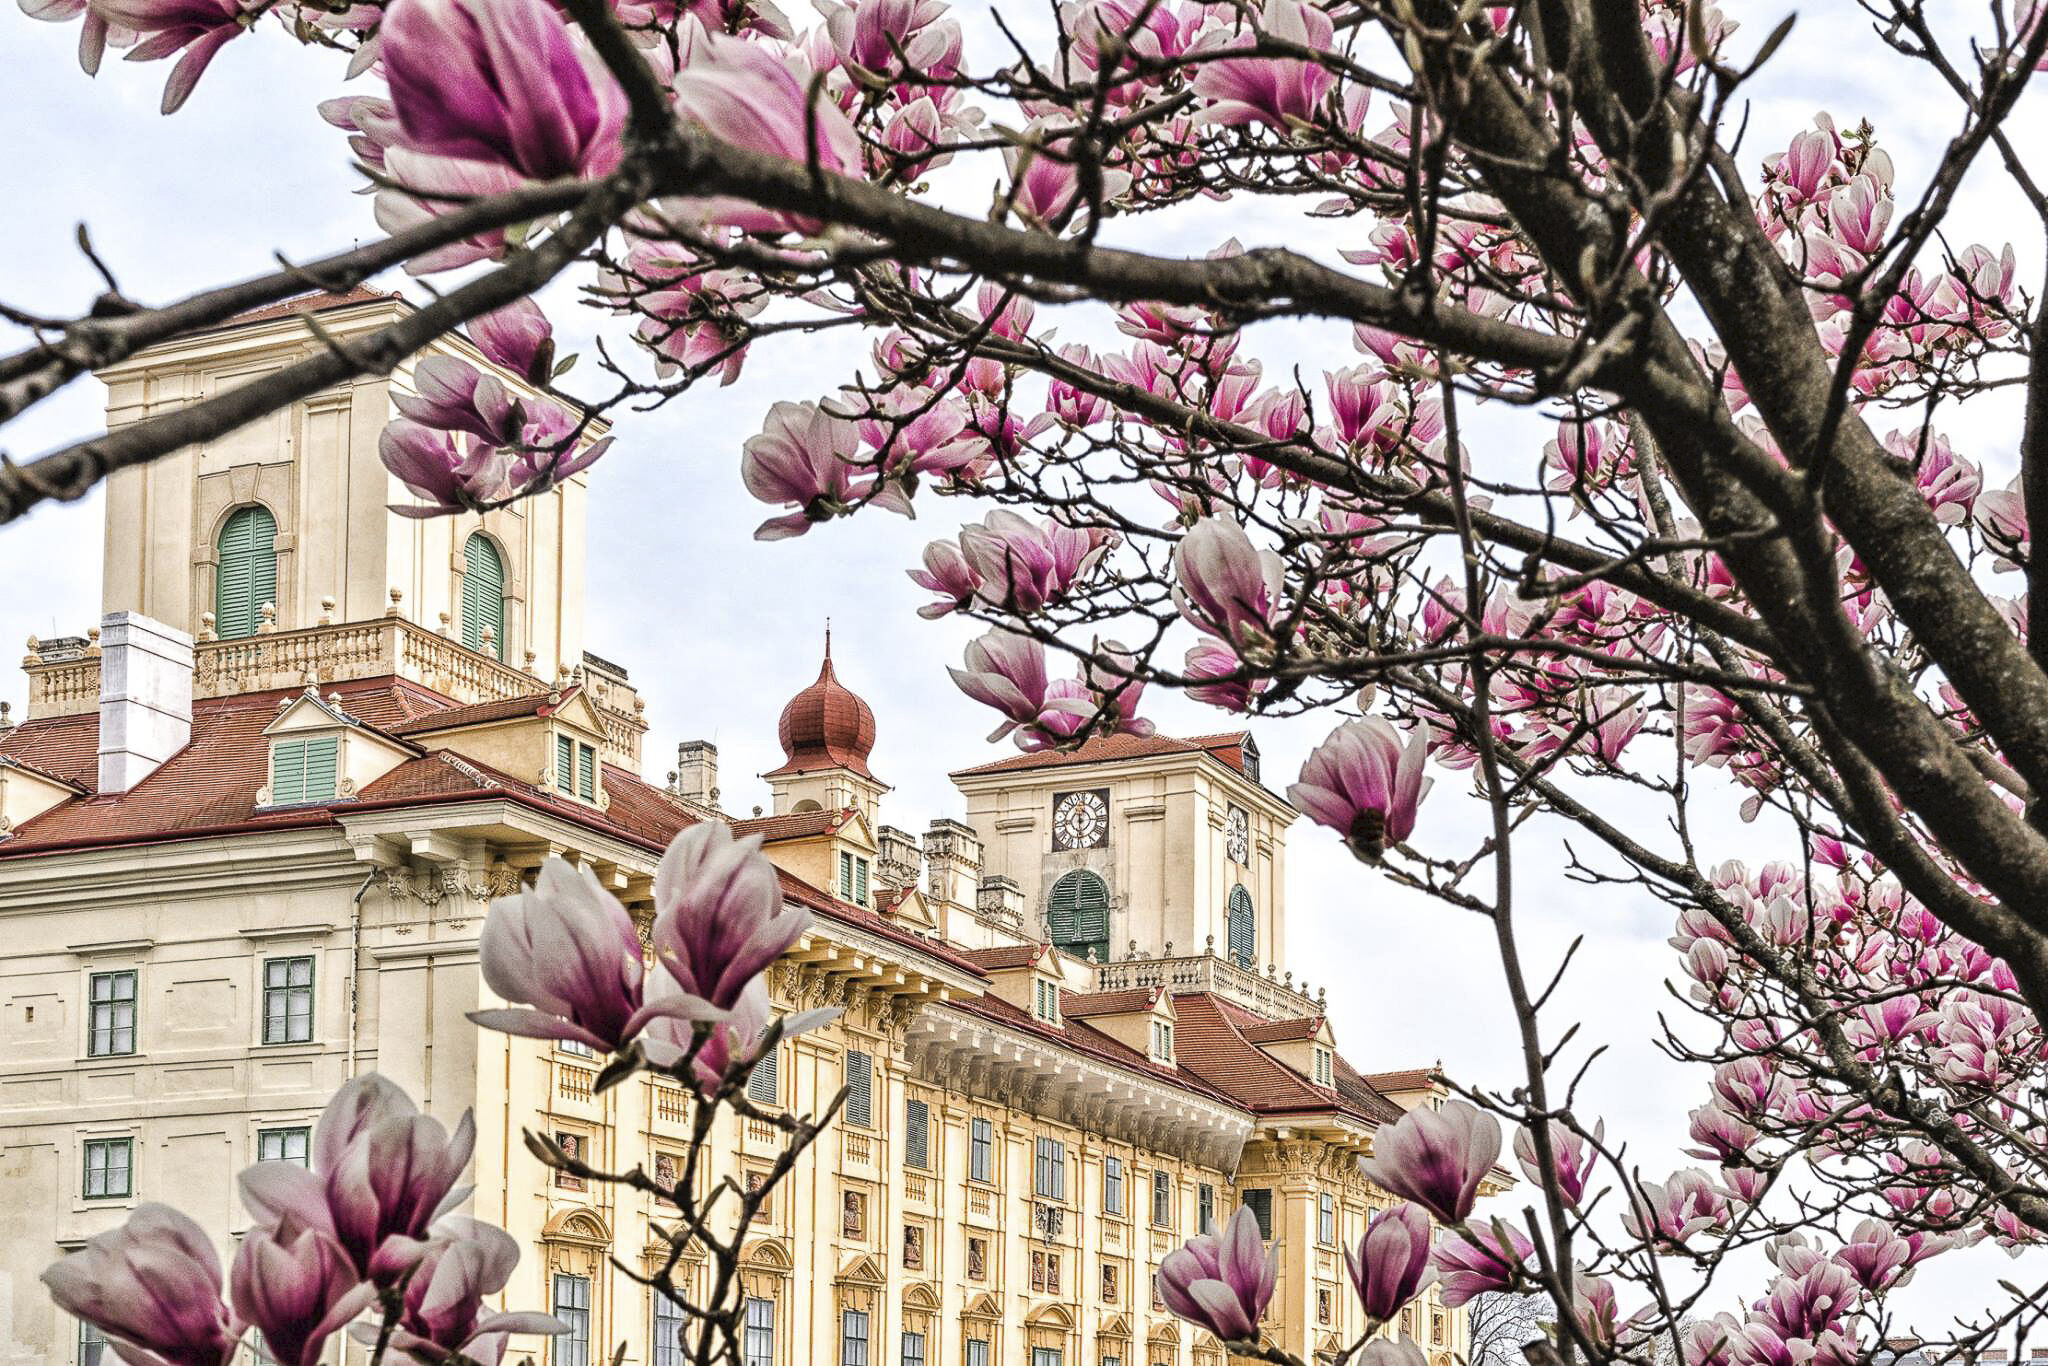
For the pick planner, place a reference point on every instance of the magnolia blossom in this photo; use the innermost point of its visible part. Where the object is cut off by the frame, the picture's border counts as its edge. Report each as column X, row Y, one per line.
column 1227, row 586
column 1437, row 1158
column 1365, row 784
column 802, row 456
column 1021, row 565
column 444, row 1308
column 296, row 1287
column 381, row 1174
column 719, row 917
column 1282, row 91
column 1222, row 1281
column 1392, row 1262
column 1209, row 666
column 1484, row 1258
column 1045, row 182
column 501, row 81
column 947, row 573
column 153, row 1287
column 198, row 28
column 518, row 337
column 1571, row 1158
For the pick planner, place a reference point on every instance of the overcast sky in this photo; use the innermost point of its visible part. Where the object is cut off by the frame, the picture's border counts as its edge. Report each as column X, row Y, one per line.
column 717, row 630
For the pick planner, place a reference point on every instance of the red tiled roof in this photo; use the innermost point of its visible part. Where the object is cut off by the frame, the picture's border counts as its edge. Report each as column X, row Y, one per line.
column 1080, row 1005
column 793, row 825
column 1411, row 1079
column 1226, row 749
column 1211, row 1040
column 543, row 703
column 316, row 301
column 825, row 726
column 1084, row 1038
column 65, row 747
column 1007, row 956
column 1283, row 1031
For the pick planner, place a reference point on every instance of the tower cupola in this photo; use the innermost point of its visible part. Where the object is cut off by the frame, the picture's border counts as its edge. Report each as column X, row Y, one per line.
column 827, row 733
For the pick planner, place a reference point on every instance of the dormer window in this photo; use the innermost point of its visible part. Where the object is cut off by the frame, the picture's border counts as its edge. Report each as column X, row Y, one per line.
column 1326, row 1068
column 305, row 770
column 1046, row 1000
column 853, row 878
column 575, row 768
column 1162, row 1041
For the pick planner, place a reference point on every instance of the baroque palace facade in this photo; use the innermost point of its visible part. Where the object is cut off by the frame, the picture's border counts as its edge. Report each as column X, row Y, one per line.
column 250, row 827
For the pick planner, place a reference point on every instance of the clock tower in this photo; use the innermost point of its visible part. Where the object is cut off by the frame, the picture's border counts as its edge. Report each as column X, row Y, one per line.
column 1174, row 845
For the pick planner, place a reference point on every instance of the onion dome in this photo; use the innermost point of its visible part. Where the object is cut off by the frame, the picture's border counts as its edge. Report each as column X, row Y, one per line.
column 826, row 726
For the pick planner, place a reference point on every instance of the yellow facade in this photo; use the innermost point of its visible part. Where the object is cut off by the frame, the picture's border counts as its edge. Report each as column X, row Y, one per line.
column 935, row 1214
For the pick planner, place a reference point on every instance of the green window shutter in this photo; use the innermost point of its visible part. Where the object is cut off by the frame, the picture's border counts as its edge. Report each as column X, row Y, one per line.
column 860, row 1081
column 565, row 763
column 1243, row 937
column 762, row 1081
column 586, row 773
column 287, row 772
column 483, row 594
column 246, row 575
column 1077, row 914
column 1260, row 1202
column 917, row 1136
column 860, row 882
column 321, row 768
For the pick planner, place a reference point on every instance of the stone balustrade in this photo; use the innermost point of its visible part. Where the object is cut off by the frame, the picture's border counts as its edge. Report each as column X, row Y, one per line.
column 64, row 676
column 1268, row 996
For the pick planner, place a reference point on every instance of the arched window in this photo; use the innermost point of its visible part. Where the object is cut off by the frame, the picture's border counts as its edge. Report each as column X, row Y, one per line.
column 1242, row 930
column 1077, row 915
column 483, row 594
column 246, row 576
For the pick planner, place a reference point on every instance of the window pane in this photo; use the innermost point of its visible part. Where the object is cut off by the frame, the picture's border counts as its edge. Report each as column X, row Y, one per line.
column 92, row 1345
column 853, row 1338
column 760, row 1335
column 111, row 1028
column 572, row 1307
column 288, row 1000
column 977, row 1352
column 668, row 1331
column 913, row 1349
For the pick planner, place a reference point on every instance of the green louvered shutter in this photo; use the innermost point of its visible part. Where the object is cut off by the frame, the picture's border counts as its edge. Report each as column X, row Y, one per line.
column 762, row 1081
column 565, row 763
column 287, row 772
column 860, row 1081
column 1243, row 936
column 321, row 771
column 917, row 1122
column 483, row 594
column 586, row 773
column 1077, row 914
column 246, row 576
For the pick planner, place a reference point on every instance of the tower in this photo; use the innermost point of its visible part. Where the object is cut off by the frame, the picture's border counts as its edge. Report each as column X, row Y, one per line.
column 827, row 734
column 288, row 523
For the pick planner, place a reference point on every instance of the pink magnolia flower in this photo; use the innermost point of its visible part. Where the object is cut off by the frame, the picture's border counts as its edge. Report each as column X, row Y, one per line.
column 437, row 184
column 1392, row 1262
column 802, row 456
column 1222, row 1281
column 719, row 917
column 297, row 1288
column 1365, row 784
column 518, row 337
column 1022, row 565
column 1876, row 1256
column 504, row 82
column 381, row 1174
column 1282, row 91
column 95, row 35
column 1437, row 1158
column 198, row 28
column 569, row 950
column 455, row 396
column 1487, row 1257
column 1391, row 1352
column 1571, row 1158
column 1227, row 586
column 1044, row 181
column 372, row 121
column 744, row 93
column 1006, row 671
column 734, row 1044
column 153, row 1287
column 1114, row 689
column 870, row 34
column 1667, row 1214
column 947, row 573
column 2002, row 517
column 444, row 1309
column 1210, row 666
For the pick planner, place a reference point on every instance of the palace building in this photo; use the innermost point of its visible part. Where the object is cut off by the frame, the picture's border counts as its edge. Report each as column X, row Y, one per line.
column 251, row 824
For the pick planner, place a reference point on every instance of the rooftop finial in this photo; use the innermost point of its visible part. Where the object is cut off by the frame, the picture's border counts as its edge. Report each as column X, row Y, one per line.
column 828, row 638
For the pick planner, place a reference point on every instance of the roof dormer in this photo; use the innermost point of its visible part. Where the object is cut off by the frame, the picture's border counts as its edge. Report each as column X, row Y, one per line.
column 27, row 792
column 1027, row 976
column 554, row 740
column 319, row 753
column 1141, row 1018
column 1306, row 1045
column 834, row 849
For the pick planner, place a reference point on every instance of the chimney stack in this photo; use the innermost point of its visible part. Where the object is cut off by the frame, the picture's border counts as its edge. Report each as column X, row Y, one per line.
column 145, row 698
column 899, row 862
column 697, row 771
column 952, row 863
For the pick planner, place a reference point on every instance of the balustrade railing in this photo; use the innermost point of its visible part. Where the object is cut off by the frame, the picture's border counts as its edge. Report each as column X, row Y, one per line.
column 1268, row 996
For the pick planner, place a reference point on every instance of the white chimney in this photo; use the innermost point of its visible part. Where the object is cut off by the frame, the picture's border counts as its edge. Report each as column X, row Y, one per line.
column 145, row 697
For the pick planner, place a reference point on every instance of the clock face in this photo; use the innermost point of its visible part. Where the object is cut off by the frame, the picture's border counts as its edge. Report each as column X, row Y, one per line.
column 1080, row 820
column 1237, row 836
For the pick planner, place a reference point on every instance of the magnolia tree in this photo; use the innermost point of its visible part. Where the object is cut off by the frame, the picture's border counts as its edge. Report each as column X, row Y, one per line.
column 1748, row 545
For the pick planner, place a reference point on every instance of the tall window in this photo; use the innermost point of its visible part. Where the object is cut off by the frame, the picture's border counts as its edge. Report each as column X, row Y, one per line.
column 92, row 1345
column 483, row 594
column 1205, row 1207
column 246, row 577
column 572, row 1307
column 109, row 1168
column 1326, row 1219
column 575, row 768
column 668, row 1330
column 1045, row 1356
column 1049, row 1178
column 860, row 1089
column 853, row 878
column 764, row 1082
column 977, row 1352
column 284, row 1145
column 1242, row 930
column 853, row 1337
column 759, row 1343
column 1077, row 915
column 288, row 1000
column 1112, row 1185
column 1326, row 1071
column 917, row 1124
column 113, row 1014
column 1162, row 1198
column 304, row 770
column 1260, row 1203
column 1162, row 1041
column 1045, row 1000
column 913, row 1349
column 981, row 1150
